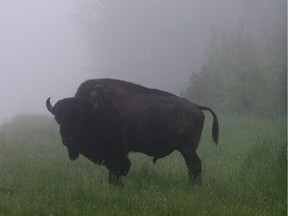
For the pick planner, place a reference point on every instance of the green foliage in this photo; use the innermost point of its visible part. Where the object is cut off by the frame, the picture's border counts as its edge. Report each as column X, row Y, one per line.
column 243, row 74
column 244, row 175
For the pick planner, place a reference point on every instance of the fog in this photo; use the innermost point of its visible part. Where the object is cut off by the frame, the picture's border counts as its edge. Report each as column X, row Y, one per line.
column 47, row 48
column 41, row 55
column 156, row 43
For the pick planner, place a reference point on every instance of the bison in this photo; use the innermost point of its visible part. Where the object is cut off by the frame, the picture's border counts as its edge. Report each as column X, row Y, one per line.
column 109, row 118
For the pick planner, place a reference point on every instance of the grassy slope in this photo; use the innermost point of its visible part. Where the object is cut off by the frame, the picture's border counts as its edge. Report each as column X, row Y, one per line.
column 244, row 175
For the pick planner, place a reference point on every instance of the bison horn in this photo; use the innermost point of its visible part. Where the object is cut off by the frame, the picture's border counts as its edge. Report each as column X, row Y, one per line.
column 49, row 106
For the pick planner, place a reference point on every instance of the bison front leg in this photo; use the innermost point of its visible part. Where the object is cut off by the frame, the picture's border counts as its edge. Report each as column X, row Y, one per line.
column 117, row 168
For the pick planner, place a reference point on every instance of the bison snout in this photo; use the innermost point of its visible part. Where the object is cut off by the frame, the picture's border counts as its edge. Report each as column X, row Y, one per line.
column 68, row 141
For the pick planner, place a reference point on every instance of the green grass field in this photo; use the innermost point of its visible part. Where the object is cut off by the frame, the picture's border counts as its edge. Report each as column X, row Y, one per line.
column 246, row 174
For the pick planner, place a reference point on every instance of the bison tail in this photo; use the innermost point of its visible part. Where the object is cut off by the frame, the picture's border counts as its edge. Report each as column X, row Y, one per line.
column 215, row 125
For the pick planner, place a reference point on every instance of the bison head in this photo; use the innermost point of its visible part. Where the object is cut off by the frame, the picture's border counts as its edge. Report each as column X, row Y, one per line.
column 86, row 121
column 74, row 115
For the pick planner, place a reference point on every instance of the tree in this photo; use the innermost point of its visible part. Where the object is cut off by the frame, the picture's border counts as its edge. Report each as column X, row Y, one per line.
column 239, row 76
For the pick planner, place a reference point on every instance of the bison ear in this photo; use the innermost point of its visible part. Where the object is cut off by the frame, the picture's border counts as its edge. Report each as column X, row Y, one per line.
column 97, row 96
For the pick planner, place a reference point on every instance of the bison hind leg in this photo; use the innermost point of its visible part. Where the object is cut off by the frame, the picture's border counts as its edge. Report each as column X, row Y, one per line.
column 193, row 163
column 195, row 170
column 192, row 160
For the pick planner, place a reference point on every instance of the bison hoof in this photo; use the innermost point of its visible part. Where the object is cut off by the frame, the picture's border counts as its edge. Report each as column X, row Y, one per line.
column 195, row 180
column 115, row 178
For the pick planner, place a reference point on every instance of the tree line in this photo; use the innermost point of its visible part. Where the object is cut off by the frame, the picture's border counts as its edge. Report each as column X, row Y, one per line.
column 243, row 73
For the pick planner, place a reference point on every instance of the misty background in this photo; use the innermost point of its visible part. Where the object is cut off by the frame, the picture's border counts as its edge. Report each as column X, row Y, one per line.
column 47, row 48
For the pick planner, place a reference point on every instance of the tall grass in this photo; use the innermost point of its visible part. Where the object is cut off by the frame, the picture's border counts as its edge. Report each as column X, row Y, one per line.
column 246, row 174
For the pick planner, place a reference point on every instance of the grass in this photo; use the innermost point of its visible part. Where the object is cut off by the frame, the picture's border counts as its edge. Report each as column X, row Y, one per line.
column 246, row 174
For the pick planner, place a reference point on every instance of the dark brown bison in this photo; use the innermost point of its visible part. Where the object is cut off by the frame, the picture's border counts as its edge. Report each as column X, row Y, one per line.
column 109, row 118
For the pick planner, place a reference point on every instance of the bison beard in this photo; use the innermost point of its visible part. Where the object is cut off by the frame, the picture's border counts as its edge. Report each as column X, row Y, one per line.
column 108, row 118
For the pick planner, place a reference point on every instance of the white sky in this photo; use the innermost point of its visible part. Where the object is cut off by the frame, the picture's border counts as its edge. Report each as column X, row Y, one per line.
column 41, row 55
